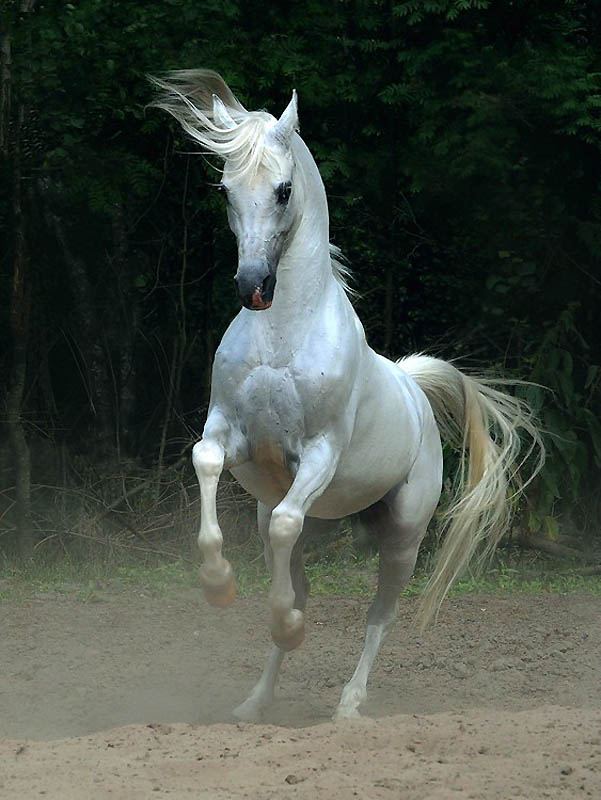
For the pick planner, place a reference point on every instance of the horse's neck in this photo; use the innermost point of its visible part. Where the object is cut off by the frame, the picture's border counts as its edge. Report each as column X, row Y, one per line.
column 304, row 276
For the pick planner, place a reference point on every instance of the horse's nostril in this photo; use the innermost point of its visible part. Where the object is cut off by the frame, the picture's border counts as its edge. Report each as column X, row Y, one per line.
column 267, row 288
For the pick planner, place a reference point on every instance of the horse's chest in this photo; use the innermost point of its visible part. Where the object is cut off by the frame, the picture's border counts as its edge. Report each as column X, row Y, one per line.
column 270, row 411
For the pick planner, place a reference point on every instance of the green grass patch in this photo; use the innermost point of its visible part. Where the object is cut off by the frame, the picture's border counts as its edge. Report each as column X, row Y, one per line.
column 359, row 579
column 88, row 580
column 512, row 581
column 346, row 575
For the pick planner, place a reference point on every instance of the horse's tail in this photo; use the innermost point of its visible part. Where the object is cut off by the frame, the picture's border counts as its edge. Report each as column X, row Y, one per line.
column 468, row 411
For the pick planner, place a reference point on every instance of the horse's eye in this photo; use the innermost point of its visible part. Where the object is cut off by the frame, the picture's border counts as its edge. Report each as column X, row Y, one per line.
column 223, row 189
column 283, row 193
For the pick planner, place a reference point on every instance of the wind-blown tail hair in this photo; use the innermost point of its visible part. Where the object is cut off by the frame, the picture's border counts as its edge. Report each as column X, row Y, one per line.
column 484, row 424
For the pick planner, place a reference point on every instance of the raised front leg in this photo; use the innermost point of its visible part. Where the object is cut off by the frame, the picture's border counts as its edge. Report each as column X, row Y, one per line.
column 216, row 574
column 317, row 466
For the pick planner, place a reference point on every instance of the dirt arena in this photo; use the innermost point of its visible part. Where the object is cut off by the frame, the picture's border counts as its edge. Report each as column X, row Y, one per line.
column 128, row 696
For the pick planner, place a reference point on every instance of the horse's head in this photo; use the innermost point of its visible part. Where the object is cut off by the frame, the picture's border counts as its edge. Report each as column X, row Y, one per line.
column 259, row 180
column 261, row 206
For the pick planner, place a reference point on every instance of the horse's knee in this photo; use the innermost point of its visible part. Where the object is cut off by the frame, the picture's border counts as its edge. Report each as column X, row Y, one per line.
column 207, row 458
column 284, row 528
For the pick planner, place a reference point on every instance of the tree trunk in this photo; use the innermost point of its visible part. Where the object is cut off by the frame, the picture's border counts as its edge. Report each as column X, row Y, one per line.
column 5, row 89
column 388, row 309
column 180, row 341
column 90, row 343
column 19, row 324
column 121, row 343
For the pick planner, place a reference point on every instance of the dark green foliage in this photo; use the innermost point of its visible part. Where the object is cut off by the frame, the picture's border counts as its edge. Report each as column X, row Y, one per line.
column 460, row 144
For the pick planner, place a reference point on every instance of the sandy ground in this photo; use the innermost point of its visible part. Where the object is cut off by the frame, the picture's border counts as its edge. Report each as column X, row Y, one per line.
column 129, row 696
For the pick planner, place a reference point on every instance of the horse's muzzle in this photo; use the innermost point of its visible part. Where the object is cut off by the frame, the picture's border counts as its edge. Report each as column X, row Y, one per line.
column 255, row 284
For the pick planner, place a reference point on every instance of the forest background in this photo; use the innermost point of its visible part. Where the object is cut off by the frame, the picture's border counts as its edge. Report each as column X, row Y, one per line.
column 459, row 141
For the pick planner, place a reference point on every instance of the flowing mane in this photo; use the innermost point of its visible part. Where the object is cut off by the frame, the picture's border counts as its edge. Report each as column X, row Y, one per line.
column 342, row 271
column 188, row 95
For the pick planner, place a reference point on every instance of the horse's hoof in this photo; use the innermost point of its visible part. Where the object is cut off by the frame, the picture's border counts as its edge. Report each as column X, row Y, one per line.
column 291, row 642
column 221, row 596
column 289, row 634
column 248, row 711
column 345, row 714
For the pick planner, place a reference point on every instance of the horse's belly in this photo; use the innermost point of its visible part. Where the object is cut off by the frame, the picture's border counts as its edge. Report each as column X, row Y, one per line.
column 359, row 482
column 341, row 501
column 269, row 485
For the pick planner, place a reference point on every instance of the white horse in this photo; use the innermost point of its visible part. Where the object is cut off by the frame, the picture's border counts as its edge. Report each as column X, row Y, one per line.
column 308, row 418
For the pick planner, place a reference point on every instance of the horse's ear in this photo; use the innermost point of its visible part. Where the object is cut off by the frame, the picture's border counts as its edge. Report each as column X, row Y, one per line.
column 288, row 122
column 221, row 116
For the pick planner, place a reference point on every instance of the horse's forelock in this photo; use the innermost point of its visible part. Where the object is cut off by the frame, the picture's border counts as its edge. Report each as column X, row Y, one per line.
column 188, row 96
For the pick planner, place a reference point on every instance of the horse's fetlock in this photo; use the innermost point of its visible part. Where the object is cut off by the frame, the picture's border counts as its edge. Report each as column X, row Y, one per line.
column 288, row 631
column 281, row 604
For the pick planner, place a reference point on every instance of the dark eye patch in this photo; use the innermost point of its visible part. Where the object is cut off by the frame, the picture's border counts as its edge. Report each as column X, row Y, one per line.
column 282, row 193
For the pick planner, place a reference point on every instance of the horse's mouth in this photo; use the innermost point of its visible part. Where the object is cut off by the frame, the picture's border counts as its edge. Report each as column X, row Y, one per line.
column 257, row 302
column 255, row 287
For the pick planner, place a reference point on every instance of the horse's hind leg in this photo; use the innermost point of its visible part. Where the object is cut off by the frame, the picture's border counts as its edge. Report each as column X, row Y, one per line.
column 252, row 709
column 399, row 522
